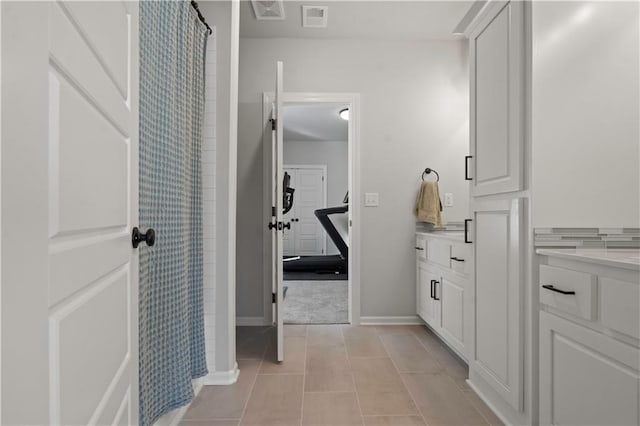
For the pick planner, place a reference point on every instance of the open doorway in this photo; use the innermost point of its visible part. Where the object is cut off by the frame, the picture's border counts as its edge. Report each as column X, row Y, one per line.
column 316, row 245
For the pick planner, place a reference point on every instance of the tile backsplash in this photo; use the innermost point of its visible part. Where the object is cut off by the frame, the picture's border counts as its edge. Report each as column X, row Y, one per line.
column 587, row 237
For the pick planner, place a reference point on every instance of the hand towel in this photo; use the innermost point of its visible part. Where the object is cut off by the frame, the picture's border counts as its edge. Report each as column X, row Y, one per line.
column 427, row 207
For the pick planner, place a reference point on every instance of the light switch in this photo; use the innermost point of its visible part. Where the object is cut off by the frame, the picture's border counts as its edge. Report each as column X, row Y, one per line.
column 448, row 199
column 371, row 199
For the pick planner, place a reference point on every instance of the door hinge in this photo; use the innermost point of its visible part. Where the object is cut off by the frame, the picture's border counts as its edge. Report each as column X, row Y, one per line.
column 273, row 298
column 274, row 124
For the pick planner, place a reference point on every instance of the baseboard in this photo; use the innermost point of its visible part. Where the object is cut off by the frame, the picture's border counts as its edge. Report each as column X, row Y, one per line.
column 408, row 320
column 252, row 321
column 221, row 377
column 173, row 418
column 488, row 403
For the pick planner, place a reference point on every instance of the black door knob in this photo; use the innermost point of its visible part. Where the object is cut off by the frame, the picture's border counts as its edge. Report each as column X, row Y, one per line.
column 287, row 225
column 148, row 237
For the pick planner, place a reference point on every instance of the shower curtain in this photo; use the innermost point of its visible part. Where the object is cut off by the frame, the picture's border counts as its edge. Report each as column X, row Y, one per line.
column 171, row 321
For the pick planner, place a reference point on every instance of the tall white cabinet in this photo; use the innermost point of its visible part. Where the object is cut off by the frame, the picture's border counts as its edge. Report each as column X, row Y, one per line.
column 497, row 227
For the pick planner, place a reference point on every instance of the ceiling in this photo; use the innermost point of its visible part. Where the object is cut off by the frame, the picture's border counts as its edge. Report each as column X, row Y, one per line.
column 314, row 122
column 378, row 20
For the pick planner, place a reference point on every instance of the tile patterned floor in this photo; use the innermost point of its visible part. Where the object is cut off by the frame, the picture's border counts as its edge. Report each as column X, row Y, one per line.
column 343, row 375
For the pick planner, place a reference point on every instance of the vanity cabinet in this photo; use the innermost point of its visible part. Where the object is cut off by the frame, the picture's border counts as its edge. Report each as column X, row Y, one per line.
column 589, row 347
column 442, row 283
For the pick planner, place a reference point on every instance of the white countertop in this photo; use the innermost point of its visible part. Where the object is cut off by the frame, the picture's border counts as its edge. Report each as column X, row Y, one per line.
column 620, row 258
column 446, row 235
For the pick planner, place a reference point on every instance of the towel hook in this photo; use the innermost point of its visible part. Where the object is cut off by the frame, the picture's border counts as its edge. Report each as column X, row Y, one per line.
column 428, row 171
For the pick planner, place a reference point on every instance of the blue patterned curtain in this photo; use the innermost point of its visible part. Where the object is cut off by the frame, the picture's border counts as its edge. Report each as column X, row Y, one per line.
column 172, row 61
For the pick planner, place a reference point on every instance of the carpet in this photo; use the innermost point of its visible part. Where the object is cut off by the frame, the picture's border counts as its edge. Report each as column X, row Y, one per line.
column 316, row 302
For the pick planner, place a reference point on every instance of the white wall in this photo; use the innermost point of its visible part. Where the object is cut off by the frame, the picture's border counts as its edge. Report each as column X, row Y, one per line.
column 414, row 100
column 585, row 114
column 334, row 155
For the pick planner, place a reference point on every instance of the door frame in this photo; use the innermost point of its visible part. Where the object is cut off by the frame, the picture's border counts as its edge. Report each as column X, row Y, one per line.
column 355, row 194
column 322, row 167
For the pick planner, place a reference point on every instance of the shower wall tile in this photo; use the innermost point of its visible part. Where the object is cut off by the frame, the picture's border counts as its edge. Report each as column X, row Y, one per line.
column 587, row 237
column 209, row 203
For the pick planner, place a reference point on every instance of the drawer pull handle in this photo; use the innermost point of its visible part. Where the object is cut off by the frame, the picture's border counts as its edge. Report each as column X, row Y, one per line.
column 557, row 290
column 457, row 259
column 419, row 248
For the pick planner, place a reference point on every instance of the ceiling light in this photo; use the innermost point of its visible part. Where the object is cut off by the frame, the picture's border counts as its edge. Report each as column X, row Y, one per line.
column 344, row 114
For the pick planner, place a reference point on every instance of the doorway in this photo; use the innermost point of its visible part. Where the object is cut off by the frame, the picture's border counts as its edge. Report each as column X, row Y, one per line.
column 312, row 292
column 316, row 247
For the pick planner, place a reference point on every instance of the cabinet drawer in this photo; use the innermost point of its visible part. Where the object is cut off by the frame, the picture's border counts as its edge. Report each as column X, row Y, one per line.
column 439, row 252
column 421, row 248
column 581, row 303
column 460, row 258
column 619, row 307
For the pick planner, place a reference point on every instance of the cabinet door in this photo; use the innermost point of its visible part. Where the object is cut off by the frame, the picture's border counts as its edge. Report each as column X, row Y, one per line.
column 586, row 378
column 496, row 352
column 496, row 118
column 429, row 306
column 452, row 311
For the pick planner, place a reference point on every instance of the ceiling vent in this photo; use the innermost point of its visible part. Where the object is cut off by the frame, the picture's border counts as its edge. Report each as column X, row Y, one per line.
column 266, row 10
column 314, row 16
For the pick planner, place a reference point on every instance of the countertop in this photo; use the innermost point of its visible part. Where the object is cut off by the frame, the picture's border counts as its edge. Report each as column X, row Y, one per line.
column 457, row 236
column 618, row 258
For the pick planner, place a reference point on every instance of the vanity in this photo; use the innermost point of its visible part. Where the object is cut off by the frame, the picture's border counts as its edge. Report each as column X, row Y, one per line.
column 589, row 328
column 443, row 268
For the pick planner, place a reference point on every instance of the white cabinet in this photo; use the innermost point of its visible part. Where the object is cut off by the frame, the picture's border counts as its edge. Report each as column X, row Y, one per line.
column 586, row 378
column 496, row 349
column 496, row 51
column 442, row 287
column 589, row 347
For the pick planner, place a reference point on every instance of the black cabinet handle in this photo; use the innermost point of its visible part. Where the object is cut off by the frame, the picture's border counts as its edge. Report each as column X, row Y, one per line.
column 466, row 167
column 419, row 248
column 557, row 290
column 138, row 237
column 432, row 281
column 457, row 259
column 435, row 289
column 466, row 231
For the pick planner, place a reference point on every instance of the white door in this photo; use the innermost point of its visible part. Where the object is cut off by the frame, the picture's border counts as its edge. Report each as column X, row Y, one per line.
column 452, row 308
column 586, row 378
column 288, row 237
column 307, row 237
column 278, row 229
column 69, row 202
column 496, row 120
column 497, row 347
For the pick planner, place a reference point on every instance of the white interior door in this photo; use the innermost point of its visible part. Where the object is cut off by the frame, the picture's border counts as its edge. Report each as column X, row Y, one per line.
column 277, row 243
column 288, row 237
column 306, row 237
column 69, row 201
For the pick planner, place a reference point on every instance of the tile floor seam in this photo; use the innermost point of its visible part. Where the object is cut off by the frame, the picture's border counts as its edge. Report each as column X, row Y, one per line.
column 304, row 372
column 255, row 379
column 413, row 399
column 353, row 379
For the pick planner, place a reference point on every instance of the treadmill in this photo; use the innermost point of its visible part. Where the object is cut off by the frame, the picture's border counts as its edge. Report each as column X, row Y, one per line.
column 334, row 221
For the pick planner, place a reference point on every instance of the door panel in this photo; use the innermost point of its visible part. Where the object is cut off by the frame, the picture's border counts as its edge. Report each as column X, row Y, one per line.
column 452, row 305
column 498, row 344
column 306, row 237
column 84, row 61
column 586, row 378
column 278, row 177
column 496, row 58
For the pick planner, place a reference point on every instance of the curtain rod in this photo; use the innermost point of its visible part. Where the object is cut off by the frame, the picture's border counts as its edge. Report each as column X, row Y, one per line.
column 195, row 6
